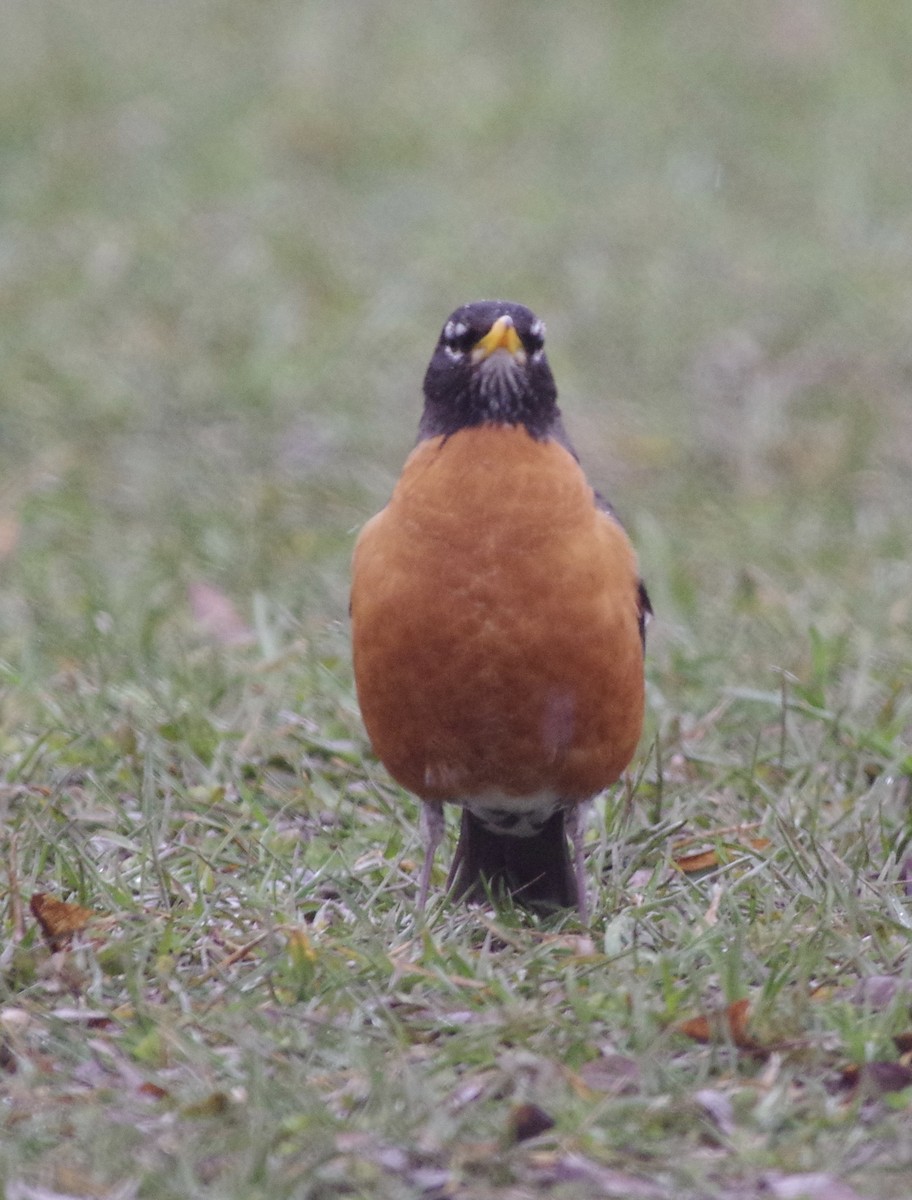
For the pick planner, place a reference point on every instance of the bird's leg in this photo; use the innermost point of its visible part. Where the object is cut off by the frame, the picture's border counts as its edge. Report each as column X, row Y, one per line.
column 575, row 825
column 433, row 825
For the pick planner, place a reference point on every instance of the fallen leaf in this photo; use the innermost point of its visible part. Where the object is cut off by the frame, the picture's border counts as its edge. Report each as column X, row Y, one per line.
column 902, row 1042
column 527, row 1121
column 704, row 860
column 728, row 1025
column 875, row 1078
column 58, row 919
column 737, row 1014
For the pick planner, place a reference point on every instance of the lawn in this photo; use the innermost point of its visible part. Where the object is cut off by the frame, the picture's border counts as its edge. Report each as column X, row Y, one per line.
column 229, row 234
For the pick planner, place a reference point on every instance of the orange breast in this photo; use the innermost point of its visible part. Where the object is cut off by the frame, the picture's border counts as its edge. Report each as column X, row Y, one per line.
column 494, row 622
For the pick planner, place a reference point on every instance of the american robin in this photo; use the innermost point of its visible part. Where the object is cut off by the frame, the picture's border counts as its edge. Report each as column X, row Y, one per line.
column 498, row 620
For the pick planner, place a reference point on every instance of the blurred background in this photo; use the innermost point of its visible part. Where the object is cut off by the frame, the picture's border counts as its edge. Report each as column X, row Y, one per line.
column 230, row 232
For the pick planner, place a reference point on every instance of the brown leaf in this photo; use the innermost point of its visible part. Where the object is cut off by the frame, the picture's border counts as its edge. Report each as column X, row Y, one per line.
column 728, row 1025
column 153, row 1091
column 702, row 861
column 527, row 1121
column 697, row 1028
column 706, row 859
column 876, row 1078
column 58, row 919
column 737, row 1014
column 903, row 1042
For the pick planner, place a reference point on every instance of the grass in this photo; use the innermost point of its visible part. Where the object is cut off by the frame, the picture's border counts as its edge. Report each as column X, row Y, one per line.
column 228, row 236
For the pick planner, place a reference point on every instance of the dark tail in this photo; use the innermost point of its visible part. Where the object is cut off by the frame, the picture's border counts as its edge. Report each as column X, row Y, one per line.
column 535, row 871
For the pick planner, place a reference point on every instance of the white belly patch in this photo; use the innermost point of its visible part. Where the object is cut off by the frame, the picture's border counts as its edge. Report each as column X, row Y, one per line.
column 518, row 816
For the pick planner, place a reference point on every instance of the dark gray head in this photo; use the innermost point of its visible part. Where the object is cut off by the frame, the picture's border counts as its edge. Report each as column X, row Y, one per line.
column 489, row 367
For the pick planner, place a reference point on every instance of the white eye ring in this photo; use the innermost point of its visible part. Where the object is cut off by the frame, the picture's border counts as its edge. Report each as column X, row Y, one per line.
column 537, row 328
column 453, row 330
column 453, row 353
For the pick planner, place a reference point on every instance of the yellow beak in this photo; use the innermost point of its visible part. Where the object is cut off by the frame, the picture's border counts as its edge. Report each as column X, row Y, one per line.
column 501, row 336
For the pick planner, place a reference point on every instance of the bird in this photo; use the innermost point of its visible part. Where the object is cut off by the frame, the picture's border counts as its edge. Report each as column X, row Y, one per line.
column 498, row 621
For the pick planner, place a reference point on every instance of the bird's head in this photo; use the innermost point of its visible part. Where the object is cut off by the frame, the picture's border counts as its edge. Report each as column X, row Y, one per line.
column 489, row 367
